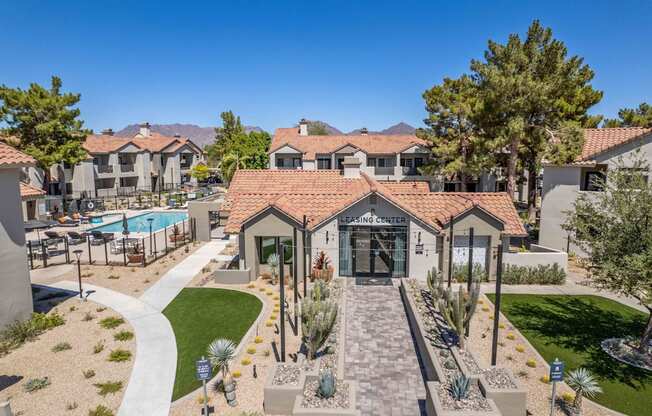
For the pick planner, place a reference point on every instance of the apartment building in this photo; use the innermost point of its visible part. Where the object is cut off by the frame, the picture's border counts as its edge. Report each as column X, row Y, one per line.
column 382, row 157
column 563, row 184
column 115, row 165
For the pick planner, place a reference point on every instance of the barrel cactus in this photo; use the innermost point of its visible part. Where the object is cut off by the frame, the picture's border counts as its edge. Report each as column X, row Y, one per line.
column 327, row 384
column 458, row 309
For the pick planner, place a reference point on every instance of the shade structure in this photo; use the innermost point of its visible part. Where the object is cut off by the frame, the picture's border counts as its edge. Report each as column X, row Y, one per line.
column 38, row 224
column 125, row 225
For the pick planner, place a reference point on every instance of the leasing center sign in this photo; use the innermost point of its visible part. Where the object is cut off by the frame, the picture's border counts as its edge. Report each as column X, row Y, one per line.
column 370, row 219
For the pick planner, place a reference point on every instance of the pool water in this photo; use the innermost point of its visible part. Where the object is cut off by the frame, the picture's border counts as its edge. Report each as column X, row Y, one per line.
column 140, row 223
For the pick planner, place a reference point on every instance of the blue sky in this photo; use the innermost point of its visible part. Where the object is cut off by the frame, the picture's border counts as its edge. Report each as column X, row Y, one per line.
column 351, row 63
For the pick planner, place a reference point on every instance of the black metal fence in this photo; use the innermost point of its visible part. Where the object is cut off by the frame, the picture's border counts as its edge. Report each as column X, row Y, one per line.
column 106, row 249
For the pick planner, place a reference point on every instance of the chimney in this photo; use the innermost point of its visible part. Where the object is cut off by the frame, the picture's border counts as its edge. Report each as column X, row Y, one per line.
column 303, row 127
column 177, row 136
column 364, row 131
column 145, row 129
column 351, row 166
column 107, row 132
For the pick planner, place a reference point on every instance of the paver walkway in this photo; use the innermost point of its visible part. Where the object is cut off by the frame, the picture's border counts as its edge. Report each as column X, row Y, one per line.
column 380, row 352
column 152, row 378
column 170, row 284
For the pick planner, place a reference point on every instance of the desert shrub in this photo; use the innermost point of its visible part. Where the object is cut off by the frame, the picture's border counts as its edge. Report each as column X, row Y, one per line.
column 245, row 361
column 62, row 346
column 73, row 308
column 511, row 336
column 43, row 321
column 522, row 374
column 120, row 355
column 520, row 348
column 35, row 384
column 98, row 348
column 251, row 350
column 111, row 322
column 113, row 277
column 269, row 323
column 534, row 275
column 100, row 309
column 88, row 373
column 88, row 317
column 16, row 334
column 567, row 397
column 461, row 272
column 236, row 374
column 108, row 387
column 267, row 353
column 71, row 406
column 545, row 379
column 531, row 363
column 258, row 339
column 123, row 336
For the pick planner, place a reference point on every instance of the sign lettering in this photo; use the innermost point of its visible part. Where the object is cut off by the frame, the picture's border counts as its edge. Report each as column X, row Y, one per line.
column 372, row 220
column 203, row 368
column 556, row 371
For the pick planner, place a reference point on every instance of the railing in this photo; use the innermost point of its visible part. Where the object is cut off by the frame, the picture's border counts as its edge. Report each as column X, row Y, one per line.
column 410, row 171
column 383, row 171
column 104, row 168
column 124, row 167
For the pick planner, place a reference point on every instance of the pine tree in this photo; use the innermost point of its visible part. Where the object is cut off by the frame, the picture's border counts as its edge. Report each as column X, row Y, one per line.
column 632, row 117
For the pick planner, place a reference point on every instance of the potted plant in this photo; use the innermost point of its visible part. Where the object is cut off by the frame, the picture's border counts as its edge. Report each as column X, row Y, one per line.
column 220, row 353
column 322, row 269
column 136, row 255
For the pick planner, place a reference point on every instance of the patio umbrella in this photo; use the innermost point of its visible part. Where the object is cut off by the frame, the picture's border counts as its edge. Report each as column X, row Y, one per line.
column 125, row 225
column 37, row 225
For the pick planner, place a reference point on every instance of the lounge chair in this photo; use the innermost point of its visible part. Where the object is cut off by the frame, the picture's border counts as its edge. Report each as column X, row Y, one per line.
column 53, row 235
column 78, row 217
column 75, row 238
column 66, row 221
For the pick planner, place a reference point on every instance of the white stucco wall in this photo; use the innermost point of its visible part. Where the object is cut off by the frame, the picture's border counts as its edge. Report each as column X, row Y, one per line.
column 538, row 255
column 560, row 188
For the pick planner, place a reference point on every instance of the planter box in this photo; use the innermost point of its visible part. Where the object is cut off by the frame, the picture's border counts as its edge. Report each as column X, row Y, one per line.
column 434, row 408
column 231, row 276
column 322, row 274
column 298, row 410
column 431, row 365
column 135, row 258
column 510, row 401
column 278, row 399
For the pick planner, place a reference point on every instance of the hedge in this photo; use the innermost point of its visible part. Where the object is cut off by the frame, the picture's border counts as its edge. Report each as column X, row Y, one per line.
column 534, row 275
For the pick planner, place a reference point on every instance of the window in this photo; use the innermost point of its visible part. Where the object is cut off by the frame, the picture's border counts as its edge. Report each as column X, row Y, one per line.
column 296, row 162
column 339, row 163
column 593, row 181
column 450, row 187
column 406, row 163
column 381, row 162
column 279, row 162
column 267, row 246
column 324, row 163
column 371, row 162
column 418, row 162
column 471, row 187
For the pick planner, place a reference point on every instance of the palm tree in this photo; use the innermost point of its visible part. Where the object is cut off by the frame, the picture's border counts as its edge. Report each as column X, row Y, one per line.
column 231, row 163
column 584, row 384
column 220, row 353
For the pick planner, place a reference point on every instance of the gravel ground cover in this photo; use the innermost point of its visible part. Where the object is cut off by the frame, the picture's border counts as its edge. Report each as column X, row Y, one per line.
column 312, row 399
column 132, row 281
column 72, row 372
column 513, row 354
column 249, row 389
column 572, row 329
column 287, row 374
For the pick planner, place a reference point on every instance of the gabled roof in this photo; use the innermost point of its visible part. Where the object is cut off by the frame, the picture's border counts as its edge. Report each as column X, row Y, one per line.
column 155, row 143
column 321, row 194
column 28, row 191
column 11, row 157
column 597, row 141
column 370, row 144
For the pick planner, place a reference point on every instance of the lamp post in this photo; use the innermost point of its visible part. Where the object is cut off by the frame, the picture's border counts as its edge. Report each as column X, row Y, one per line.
column 78, row 254
column 149, row 220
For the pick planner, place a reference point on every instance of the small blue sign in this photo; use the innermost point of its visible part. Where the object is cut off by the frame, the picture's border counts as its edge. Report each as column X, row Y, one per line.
column 203, row 369
column 556, row 370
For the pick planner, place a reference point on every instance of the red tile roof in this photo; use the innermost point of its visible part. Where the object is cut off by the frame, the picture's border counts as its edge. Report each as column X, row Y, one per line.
column 99, row 143
column 28, row 191
column 320, row 194
column 597, row 141
column 12, row 157
column 310, row 146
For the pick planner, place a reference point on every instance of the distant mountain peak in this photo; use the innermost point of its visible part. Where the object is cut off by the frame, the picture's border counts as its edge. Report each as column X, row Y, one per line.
column 201, row 136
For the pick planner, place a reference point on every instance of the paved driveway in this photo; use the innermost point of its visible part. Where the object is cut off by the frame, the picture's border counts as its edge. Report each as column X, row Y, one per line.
column 380, row 353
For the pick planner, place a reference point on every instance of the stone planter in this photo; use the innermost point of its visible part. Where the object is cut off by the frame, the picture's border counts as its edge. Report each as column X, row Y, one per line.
column 434, row 407
column 510, row 401
column 350, row 410
column 278, row 399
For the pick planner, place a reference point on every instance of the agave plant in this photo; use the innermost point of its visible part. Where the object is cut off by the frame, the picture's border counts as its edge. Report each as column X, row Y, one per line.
column 584, row 384
column 220, row 353
column 460, row 386
column 273, row 261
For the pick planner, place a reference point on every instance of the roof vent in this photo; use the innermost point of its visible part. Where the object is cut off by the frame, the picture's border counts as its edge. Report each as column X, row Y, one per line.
column 303, row 127
column 145, row 129
column 107, row 132
column 364, row 131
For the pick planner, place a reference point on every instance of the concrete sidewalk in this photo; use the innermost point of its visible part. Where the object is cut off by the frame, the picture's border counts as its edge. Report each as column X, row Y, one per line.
column 149, row 390
column 170, row 284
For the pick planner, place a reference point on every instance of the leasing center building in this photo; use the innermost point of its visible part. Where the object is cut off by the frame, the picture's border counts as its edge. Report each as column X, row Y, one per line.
column 366, row 227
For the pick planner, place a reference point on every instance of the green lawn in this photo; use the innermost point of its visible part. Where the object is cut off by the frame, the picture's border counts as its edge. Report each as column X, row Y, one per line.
column 571, row 328
column 198, row 316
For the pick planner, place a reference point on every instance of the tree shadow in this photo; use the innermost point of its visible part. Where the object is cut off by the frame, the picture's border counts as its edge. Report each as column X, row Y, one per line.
column 578, row 325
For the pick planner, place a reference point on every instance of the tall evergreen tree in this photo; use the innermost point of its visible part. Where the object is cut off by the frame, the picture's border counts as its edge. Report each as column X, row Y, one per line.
column 45, row 123
column 530, row 90
column 452, row 134
column 632, row 117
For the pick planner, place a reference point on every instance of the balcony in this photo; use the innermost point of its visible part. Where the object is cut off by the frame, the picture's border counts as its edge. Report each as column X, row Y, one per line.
column 410, row 171
column 126, row 167
column 104, row 168
column 384, row 171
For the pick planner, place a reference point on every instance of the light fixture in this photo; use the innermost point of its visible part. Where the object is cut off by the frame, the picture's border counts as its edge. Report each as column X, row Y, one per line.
column 326, row 236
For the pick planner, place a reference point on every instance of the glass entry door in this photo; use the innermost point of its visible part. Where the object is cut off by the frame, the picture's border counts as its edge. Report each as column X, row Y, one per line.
column 373, row 251
column 362, row 251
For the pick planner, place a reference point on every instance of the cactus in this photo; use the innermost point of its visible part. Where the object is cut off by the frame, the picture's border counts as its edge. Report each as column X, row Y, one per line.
column 320, row 291
column 435, row 285
column 458, row 308
column 273, row 261
column 459, row 388
column 317, row 321
column 450, row 364
column 327, row 384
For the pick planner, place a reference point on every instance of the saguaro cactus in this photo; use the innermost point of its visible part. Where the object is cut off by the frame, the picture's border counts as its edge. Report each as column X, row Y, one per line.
column 458, row 308
column 435, row 285
column 317, row 321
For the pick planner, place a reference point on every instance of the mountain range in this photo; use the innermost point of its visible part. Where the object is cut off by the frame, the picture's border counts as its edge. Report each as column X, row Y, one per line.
column 205, row 135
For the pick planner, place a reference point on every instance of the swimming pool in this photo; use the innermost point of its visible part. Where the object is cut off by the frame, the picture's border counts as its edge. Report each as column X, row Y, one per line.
column 140, row 223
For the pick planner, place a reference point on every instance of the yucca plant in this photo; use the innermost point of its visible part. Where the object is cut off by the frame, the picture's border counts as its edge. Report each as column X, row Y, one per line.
column 584, row 384
column 220, row 353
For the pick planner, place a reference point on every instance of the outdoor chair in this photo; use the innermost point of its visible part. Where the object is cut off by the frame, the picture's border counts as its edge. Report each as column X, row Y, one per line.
column 75, row 238
column 97, row 238
column 66, row 221
column 53, row 235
